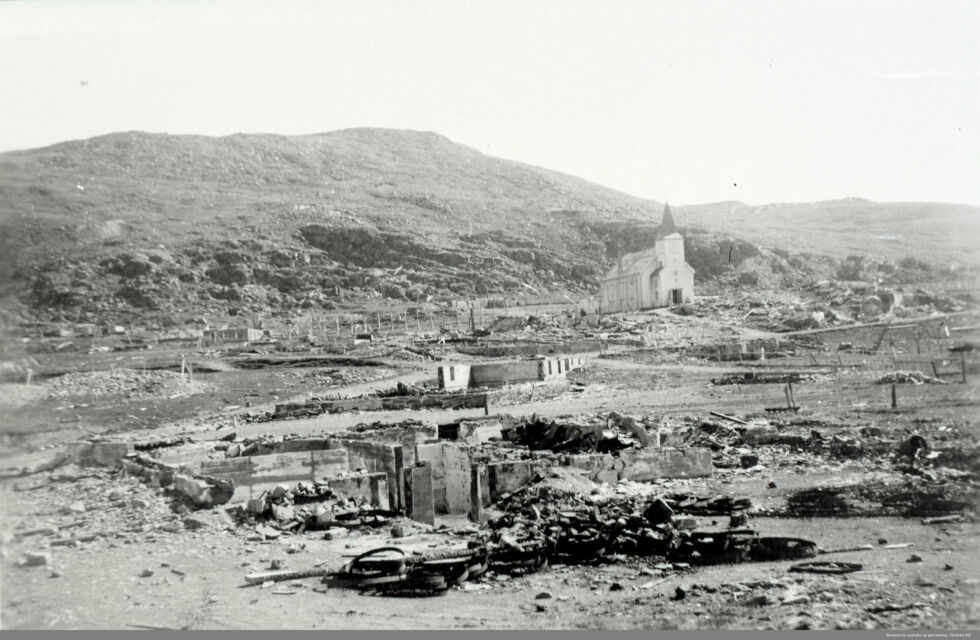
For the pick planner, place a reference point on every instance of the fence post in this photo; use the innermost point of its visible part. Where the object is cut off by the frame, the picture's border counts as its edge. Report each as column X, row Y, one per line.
column 963, row 365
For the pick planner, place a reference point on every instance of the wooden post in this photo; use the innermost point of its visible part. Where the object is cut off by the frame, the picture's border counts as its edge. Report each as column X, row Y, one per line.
column 379, row 321
column 472, row 321
column 476, row 493
column 337, row 318
column 30, row 374
column 963, row 365
column 792, row 398
column 894, row 397
column 789, row 405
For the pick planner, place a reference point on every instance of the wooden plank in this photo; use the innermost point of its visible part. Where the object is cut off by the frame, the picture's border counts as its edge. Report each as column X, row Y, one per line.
column 722, row 415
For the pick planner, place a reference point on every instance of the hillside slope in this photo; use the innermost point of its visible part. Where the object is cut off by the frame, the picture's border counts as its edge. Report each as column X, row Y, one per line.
column 935, row 232
column 136, row 222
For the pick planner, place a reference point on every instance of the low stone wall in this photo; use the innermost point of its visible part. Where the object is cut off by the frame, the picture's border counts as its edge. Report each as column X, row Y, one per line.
column 644, row 464
column 523, row 393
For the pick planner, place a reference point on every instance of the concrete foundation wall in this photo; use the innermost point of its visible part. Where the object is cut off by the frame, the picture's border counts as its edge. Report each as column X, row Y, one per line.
column 644, row 464
column 454, row 376
column 377, row 457
column 254, row 474
column 497, row 374
column 457, row 463
column 373, row 487
column 433, row 455
column 521, row 393
column 419, row 503
column 507, row 476
column 654, row 464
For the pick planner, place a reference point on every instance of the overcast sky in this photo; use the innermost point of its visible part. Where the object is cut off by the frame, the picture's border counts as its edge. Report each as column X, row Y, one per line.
column 683, row 101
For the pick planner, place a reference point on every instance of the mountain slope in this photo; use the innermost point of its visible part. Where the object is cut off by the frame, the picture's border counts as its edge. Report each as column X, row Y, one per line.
column 150, row 222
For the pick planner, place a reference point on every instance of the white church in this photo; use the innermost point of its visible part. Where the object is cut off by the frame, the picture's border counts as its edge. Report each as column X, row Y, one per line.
column 656, row 277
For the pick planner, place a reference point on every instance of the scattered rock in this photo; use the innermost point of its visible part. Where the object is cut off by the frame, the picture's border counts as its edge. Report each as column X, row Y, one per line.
column 74, row 507
column 679, row 594
column 757, row 601
column 544, row 595
column 283, row 513
column 280, row 491
column 146, row 573
column 267, row 532
column 914, row 558
column 37, row 558
column 798, row 623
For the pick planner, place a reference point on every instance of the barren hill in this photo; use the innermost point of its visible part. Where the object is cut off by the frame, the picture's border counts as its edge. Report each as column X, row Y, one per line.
column 151, row 222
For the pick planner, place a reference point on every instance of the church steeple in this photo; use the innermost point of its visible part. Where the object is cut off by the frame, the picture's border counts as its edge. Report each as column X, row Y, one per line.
column 667, row 225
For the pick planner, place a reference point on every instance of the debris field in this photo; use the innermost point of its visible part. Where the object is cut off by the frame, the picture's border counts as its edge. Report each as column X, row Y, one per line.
column 695, row 467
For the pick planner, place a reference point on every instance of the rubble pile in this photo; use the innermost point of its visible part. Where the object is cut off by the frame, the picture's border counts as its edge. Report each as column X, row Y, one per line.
column 603, row 433
column 753, row 377
column 343, row 377
column 573, row 528
column 901, row 377
column 128, row 383
column 314, row 506
column 402, row 390
column 909, row 498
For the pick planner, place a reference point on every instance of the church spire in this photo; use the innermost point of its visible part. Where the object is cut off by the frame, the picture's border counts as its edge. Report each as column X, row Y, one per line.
column 667, row 225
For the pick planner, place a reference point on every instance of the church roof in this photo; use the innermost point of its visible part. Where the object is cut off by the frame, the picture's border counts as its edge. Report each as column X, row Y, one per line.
column 633, row 263
column 667, row 225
